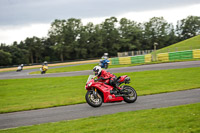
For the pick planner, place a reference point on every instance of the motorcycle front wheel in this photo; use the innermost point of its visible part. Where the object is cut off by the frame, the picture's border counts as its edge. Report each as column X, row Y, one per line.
column 93, row 100
column 132, row 96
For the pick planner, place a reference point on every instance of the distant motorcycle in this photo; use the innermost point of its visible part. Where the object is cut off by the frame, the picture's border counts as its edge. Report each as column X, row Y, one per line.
column 104, row 63
column 44, row 69
column 98, row 92
column 20, row 68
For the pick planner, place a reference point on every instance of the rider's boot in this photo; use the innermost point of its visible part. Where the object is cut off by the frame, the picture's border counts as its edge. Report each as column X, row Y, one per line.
column 119, row 89
column 114, row 91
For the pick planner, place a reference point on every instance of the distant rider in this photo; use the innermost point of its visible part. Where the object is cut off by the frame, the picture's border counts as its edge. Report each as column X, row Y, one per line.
column 106, row 77
column 44, row 67
column 20, row 67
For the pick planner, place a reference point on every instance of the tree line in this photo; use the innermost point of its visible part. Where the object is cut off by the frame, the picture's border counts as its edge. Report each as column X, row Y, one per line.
column 71, row 40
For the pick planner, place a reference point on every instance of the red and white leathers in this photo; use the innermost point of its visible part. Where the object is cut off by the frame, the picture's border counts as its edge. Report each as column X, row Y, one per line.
column 105, row 77
column 108, row 78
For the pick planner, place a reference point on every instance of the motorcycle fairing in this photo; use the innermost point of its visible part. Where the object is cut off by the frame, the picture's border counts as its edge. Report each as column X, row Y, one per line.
column 105, row 89
column 121, row 78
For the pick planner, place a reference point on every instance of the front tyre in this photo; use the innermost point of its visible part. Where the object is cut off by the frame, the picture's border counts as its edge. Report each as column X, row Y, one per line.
column 132, row 96
column 92, row 100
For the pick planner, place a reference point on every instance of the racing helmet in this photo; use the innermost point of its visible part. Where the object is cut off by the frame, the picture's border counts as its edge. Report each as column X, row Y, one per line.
column 97, row 70
column 105, row 54
column 45, row 62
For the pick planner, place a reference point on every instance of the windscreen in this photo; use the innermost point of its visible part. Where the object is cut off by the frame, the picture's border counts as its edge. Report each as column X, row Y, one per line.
column 90, row 77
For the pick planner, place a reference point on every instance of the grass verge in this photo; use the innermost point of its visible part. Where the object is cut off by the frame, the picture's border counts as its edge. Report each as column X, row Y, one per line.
column 188, row 44
column 178, row 119
column 69, row 69
column 27, row 94
column 91, row 66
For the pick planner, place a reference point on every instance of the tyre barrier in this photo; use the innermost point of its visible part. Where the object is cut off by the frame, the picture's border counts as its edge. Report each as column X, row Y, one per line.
column 171, row 56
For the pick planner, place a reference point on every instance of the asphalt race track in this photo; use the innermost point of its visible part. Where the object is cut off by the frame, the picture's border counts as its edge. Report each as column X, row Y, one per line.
column 24, row 118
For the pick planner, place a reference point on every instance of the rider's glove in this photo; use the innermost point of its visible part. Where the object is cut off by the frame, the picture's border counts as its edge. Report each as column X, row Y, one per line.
column 101, row 78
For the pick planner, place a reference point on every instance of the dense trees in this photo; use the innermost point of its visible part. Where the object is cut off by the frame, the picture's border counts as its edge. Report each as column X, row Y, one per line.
column 5, row 58
column 188, row 27
column 70, row 39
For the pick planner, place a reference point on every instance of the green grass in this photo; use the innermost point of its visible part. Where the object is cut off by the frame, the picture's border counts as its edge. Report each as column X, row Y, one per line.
column 81, row 68
column 91, row 66
column 178, row 119
column 192, row 43
column 69, row 69
column 27, row 94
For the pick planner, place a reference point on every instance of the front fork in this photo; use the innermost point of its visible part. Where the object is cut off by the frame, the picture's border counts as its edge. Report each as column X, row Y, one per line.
column 95, row 93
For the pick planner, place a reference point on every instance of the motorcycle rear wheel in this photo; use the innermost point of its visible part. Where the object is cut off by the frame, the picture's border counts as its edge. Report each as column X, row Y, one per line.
column 132, row 97
column 92, row 101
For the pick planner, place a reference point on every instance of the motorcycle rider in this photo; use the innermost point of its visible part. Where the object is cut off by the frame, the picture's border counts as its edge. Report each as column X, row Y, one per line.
column 104, row 62
column 20, row 67
column 44, row 67
column 106, row 77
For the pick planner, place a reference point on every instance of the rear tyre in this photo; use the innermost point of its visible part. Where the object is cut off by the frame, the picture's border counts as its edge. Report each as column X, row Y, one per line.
column 92, row 101
column 132, row 96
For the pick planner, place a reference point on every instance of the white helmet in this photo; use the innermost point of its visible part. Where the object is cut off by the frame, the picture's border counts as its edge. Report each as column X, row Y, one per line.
column 106, row 54
column 97, row 70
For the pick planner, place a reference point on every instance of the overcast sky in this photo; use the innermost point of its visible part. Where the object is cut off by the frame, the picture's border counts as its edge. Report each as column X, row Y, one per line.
column 26, row 18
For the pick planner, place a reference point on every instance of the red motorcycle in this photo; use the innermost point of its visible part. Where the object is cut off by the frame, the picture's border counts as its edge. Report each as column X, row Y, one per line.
column 98, row 92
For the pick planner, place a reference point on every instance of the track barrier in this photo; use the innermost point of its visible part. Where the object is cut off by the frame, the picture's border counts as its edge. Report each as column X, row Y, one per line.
column 170, row 56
